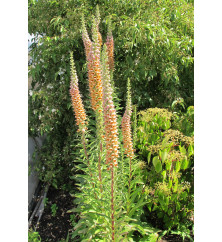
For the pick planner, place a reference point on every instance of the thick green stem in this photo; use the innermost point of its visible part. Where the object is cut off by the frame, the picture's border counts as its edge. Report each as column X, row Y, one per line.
column 99, row 166
column 87, row 157
column 84, row 147
column 129, row 189
column 112, row 203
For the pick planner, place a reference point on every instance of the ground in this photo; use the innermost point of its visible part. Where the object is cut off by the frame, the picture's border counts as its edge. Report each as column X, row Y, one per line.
column 56, row 228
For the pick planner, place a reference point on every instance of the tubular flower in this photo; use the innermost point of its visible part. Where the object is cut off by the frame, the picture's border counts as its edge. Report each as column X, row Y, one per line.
column 86, row 40
column 110, row 47
column 94, row 72
column 110, row 118
column 126, row 127
column 77, row 104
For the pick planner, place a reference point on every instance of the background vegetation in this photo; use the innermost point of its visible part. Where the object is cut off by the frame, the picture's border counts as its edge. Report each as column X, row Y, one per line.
column 154, row 49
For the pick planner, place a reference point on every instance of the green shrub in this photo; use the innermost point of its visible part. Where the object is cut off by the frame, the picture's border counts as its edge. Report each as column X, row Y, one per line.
column 155, row 37
column 169, row 174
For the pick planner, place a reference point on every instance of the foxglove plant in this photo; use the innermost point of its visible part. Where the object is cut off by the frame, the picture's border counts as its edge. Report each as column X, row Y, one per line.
column 102, row 184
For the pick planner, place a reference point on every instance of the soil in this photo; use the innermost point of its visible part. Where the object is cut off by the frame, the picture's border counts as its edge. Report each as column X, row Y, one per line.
column 55, row 228
column 173, row 238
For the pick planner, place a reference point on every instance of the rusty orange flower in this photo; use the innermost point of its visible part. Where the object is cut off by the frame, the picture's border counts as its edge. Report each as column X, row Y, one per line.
column 126, row 126
column 77, row 104
column 110, row 118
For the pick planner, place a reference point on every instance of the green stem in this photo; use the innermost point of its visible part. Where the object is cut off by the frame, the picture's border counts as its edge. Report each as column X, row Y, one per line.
column 112, row 203
column 129, row 189
column 87, row 157
column 99, row 166
column 84, row 147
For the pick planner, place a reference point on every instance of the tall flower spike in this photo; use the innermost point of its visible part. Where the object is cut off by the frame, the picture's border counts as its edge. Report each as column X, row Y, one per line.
column 110, row 118
column 94, row 71
column 98, row 19
column 77, row 104
column 96, row 36
column 110, row 47
column 86, row 40
column 126, row 127
column 92, row 50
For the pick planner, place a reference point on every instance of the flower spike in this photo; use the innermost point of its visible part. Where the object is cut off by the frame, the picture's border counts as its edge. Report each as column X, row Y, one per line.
column 77, row 104
column 126, row 127
column 110, row 118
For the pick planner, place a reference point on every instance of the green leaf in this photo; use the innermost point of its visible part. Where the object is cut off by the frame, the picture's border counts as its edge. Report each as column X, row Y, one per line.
column 157, row 164
column 164, row 155
column 184, row 195
column 164, row 174
column 149, row 206
column 170, row 211
column 178, row 164
column 170, row 184
column 168, row 166
column 182, row 150
column 175, row 187
column 140, row 204
column 177, row 206
column 148, row 157
column 184, row 164
column 190, row 150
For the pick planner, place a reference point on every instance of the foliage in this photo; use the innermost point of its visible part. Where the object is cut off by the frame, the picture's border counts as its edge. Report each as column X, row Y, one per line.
column 169, row 175
column 155, row 37
column 184, row 122
column 94, row 205
column 45, row 201
column 54, row 209
column 153, row 43
column 33, row 236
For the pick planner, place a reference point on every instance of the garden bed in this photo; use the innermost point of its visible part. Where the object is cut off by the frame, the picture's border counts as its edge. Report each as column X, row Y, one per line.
column 55, row 228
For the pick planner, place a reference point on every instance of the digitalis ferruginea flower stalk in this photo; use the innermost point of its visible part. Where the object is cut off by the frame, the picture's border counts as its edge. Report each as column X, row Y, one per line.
column 126, row 126
column 98, row 19
column 111, row 134
column 95, row 84
column 110, row 47
column 77, row 104
column 86, row 40
column 92, row 50
column 110, row 118
column 95, row 70
column 127, row 137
